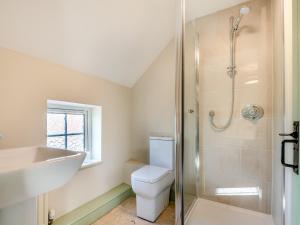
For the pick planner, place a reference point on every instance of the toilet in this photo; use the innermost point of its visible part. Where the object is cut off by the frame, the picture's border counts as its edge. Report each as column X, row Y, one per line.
column 152, row 183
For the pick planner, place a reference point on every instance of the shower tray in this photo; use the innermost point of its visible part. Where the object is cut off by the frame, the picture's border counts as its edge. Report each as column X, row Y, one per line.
column 207, row 212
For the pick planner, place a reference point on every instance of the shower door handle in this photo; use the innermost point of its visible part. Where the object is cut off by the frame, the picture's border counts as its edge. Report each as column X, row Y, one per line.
column 283, row 153
column 295, row 141
column 293, row 134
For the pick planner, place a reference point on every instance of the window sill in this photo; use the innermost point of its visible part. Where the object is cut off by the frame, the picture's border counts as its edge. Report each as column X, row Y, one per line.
column 90, row 163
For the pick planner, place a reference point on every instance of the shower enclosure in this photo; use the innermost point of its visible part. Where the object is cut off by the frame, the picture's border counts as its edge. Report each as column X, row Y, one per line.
column 227, row 123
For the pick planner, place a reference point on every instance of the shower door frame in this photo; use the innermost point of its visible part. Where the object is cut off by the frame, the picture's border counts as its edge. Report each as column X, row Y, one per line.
column 179, row 107
column 180, row 215
column 179, row 138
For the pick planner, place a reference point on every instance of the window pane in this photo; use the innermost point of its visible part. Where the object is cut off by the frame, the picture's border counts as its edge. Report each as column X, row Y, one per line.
column 56, row 142
column 55, row 123
column 75, row 123
column 76, row 142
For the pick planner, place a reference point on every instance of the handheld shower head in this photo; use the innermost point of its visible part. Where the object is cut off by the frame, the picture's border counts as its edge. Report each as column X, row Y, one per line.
column 243, row 11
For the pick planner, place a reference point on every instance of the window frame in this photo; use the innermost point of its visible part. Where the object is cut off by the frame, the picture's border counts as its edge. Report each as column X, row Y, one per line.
column 66, row 109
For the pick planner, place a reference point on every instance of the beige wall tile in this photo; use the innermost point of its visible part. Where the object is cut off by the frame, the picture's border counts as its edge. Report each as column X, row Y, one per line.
column 241, row 155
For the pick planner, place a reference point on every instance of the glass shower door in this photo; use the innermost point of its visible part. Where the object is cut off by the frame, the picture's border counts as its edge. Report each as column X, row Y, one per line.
column 227, row 104
column 191, row 138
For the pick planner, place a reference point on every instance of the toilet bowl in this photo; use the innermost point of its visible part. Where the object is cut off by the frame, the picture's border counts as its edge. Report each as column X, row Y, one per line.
column 152, row 183
column 152, row 187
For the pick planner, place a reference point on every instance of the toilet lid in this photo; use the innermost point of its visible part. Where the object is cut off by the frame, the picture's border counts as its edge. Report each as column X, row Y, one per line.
column 150, row 174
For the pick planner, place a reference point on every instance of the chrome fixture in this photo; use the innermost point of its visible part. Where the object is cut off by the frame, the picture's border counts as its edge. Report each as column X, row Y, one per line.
column 252, row 112
column 231, row 69
column 179, row 97
column 243, row 11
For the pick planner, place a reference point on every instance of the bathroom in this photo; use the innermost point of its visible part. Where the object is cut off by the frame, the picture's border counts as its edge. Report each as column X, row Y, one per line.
column 149, row 112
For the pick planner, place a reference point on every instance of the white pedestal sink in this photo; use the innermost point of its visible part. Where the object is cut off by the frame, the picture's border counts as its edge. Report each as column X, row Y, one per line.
column 28, row 172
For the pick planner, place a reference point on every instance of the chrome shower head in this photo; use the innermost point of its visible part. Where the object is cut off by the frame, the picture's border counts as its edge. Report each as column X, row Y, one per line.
column 236, row 22
column 244, row 10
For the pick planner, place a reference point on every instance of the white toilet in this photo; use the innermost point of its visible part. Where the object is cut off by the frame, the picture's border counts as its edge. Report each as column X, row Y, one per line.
column 152, row 183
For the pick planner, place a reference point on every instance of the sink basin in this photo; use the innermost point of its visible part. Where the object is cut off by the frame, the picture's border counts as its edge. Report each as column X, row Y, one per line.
column 28, row 172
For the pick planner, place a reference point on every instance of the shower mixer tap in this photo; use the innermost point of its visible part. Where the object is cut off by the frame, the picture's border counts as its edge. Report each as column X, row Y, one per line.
column 231, row 71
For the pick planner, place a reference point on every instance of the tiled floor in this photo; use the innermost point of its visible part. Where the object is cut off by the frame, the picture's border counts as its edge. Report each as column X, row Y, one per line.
column 125, row 214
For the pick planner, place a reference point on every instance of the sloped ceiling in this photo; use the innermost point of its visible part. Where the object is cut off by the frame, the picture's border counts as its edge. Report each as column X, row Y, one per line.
column 114, row 39
column 198, row 8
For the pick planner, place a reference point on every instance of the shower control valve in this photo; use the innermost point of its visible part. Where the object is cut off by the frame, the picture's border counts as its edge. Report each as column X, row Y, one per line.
column 252, row 112
column 231, row 71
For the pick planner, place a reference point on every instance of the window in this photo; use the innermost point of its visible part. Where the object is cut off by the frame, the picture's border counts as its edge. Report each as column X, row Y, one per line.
column 67, row 129
column 75, row 127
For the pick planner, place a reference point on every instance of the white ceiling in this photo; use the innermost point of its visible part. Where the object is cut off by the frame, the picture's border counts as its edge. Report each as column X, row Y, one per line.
column 113, row 39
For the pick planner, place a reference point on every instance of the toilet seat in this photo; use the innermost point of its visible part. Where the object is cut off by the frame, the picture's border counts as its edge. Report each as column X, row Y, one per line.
column 149, row 180
column 150, row 174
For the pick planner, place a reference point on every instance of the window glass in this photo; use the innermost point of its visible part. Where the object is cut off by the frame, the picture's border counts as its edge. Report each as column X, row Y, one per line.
column 66, row 130
column 55, row 123
column 56, row 142
column 76, row 142
column 75, row 123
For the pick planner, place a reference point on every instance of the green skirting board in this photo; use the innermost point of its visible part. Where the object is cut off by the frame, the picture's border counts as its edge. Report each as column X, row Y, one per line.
column 95, row 209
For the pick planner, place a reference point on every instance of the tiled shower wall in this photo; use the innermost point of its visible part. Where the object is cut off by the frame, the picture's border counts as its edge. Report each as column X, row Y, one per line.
column 240, row 156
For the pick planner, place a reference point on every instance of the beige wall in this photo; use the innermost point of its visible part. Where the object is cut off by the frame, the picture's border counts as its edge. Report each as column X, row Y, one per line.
column 25, row 85
column 240, row 156
column 129, row 116
column 153, row 103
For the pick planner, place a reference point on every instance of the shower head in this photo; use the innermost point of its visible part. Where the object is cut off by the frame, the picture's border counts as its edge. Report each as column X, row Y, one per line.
column 236, row 21
column 244, row 10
